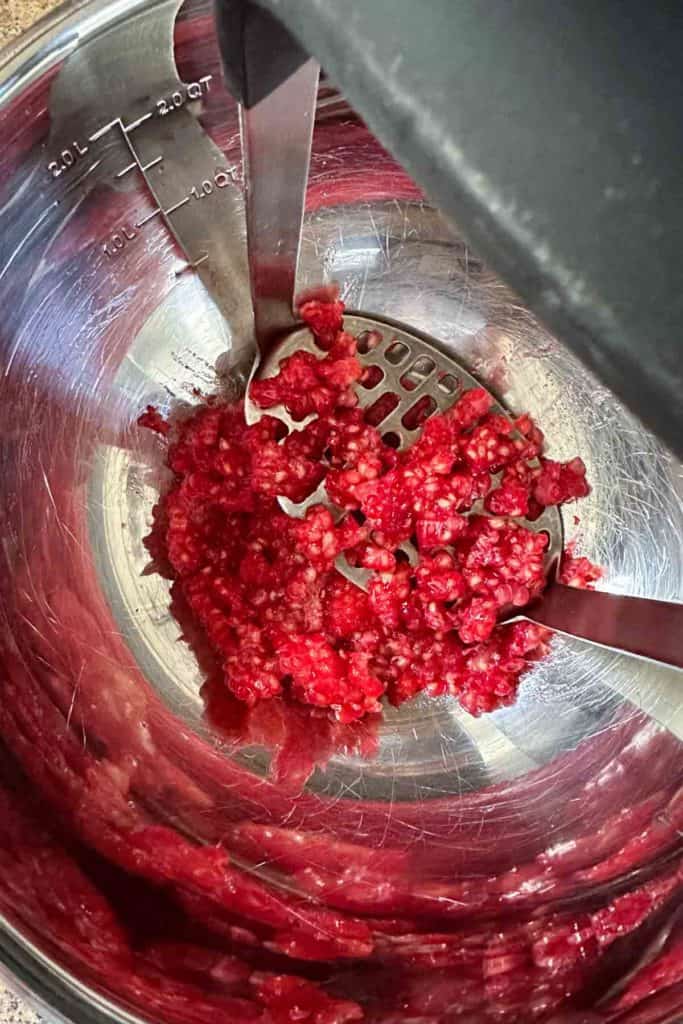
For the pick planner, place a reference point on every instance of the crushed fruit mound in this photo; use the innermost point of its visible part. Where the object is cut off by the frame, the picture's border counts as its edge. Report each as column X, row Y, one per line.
column 263, row 587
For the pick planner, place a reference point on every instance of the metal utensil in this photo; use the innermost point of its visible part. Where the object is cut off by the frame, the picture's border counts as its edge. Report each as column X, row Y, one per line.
column 422, row 381
column 276, row 147
column 412, row 373
column 87, row 339
column 276, row 122
column 414, row 369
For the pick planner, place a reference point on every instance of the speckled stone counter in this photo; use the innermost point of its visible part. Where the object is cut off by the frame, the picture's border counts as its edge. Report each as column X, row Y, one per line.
column 15, row 1011
column 16, row 15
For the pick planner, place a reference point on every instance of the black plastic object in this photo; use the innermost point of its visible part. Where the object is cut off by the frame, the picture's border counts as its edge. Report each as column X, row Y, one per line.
column 258, row 52
column 551, row 131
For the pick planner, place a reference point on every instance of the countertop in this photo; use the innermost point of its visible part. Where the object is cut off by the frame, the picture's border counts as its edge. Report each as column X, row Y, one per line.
column 16, row 15
column 15, row 1011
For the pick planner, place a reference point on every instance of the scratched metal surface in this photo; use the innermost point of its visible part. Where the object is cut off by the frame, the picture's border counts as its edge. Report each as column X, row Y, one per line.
column 15, row 17
column 398, row 258
column 102, row 317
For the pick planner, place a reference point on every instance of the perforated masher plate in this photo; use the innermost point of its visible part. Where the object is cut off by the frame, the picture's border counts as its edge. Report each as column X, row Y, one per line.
column 412, row 379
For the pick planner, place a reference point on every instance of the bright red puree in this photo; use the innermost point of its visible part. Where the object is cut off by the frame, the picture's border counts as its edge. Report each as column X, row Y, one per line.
column 264, row 588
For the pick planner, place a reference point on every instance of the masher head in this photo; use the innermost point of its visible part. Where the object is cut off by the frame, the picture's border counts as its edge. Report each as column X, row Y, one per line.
column 411, row 380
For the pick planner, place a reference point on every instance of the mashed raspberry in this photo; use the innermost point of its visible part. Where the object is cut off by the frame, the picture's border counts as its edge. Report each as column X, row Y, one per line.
column 263, row 586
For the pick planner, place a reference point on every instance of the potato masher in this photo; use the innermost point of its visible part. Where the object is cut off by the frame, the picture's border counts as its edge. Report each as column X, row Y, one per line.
column 276, row 141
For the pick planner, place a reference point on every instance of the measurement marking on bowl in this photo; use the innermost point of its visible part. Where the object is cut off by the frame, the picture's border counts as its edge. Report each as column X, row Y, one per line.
column 177, row 99
column 192, row 266
column 217, row 178
column 116, row 243
column 133, row 165
column 126, row 128
column 148, row 218
column 67, row 158
column 70, row 155
column 177, row 183
column 130, row 167
column 176, row 206
column 116, row 123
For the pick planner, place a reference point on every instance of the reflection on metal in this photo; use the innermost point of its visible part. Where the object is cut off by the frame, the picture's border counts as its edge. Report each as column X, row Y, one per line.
column 119, row 96
column 411, row 368
column 88, row 340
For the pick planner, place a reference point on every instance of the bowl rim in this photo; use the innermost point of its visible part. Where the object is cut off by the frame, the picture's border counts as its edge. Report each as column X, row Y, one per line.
column 52, row 38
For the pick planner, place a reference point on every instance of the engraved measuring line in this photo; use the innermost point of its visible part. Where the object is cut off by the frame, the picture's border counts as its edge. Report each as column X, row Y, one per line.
column 145, row 220
column 117, row 242
column 81, row 178
column 134, row 164
column 184, row 94
column 176, row 206
column 125, row 170
column 136, row 124
column 126, row 233
column 103, row 130
column 193, row 265
column 152, row 163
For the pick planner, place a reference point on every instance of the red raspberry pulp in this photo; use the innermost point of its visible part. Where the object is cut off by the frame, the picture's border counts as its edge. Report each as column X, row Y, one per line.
column 264, row 589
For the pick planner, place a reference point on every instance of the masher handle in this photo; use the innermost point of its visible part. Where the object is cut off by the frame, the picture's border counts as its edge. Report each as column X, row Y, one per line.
column 634, row 625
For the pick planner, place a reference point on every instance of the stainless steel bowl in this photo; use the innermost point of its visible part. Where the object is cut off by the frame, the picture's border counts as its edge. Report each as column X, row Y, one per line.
column 517, row 867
